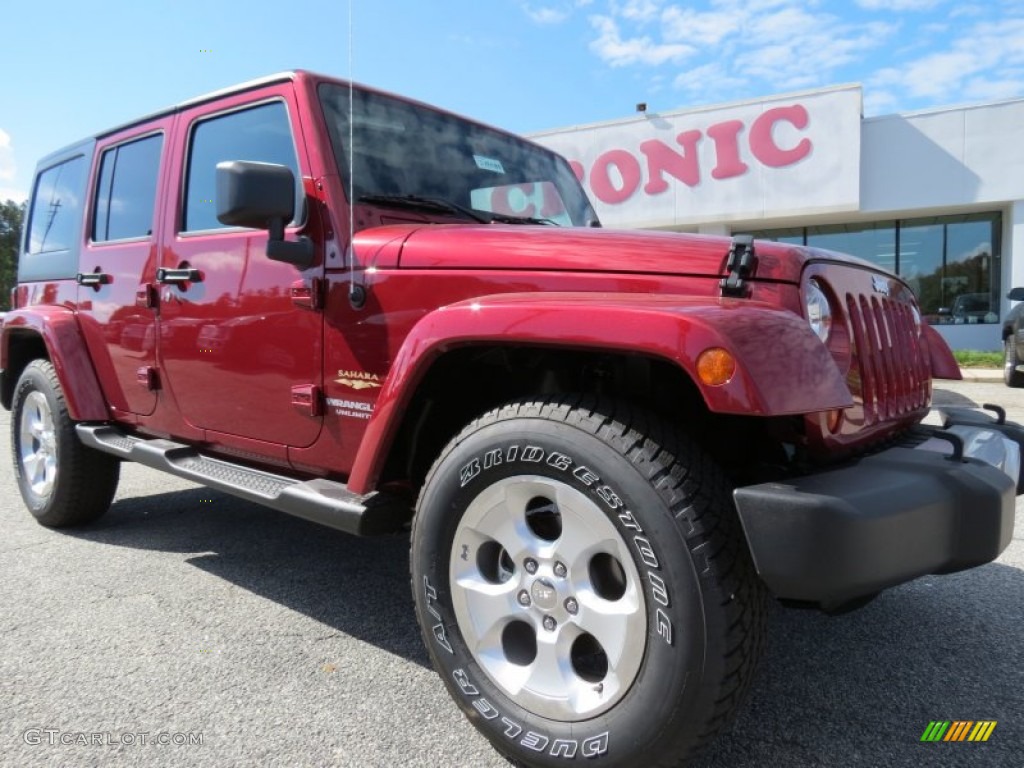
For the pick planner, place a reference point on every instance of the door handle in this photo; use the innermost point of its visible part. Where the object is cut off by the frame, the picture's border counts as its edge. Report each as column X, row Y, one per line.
column 93, row 279
column 178, row 276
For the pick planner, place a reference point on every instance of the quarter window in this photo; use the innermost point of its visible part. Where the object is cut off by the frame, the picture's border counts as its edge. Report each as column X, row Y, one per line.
column 57, row 207
column 126, row 192
column 260, row 134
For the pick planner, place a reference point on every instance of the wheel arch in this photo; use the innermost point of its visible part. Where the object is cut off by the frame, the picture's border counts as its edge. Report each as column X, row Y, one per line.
column 662, row 336
column 51, row 333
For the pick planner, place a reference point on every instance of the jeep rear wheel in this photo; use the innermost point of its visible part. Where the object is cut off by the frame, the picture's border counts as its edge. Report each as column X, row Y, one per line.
column 583, row 586
column 63, row 482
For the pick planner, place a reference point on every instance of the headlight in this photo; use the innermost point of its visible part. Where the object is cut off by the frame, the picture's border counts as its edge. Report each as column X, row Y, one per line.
column 818, row 310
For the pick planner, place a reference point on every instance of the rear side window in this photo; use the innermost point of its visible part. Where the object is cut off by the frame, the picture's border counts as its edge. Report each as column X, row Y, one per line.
column 261, row 133
column 57, row 207
column 126, row 191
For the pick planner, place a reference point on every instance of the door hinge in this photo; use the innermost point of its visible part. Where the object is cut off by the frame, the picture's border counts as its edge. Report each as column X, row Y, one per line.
column 148, row 377
column 308, row 294
column 741, row 265
column 306, row 397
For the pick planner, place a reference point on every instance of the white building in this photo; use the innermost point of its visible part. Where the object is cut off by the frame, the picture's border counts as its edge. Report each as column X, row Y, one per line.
column 935, row 196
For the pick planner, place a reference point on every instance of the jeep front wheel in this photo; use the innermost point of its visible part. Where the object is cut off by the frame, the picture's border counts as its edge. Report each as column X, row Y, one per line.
column 63, row 482
column 583, row 586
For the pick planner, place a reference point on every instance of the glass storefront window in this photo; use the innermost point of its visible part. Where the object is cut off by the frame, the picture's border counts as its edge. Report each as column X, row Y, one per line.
column 951, row 262
column 874, row 242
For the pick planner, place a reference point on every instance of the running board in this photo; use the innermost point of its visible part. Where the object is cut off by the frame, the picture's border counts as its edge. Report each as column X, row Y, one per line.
column 320, row 501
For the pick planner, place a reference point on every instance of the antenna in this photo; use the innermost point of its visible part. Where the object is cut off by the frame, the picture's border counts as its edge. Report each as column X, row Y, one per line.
column 356, row 293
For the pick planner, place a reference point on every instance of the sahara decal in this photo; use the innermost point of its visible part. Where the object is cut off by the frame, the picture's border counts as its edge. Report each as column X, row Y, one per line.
column 358, row 380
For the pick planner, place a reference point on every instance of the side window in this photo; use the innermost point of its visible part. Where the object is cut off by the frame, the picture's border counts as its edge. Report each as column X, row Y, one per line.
column 261, row 134
column 126, row 191
column 56, row 207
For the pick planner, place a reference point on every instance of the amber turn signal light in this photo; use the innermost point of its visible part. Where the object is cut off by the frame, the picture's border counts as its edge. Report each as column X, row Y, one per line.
column 715, row 366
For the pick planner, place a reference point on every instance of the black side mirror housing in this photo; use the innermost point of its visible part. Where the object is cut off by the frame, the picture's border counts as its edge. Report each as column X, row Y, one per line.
column 1017, row 294
column 262, row 196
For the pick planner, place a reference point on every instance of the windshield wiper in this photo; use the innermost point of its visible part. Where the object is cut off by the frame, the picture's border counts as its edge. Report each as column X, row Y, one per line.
column 443, row 205
column 506, row 218
column 437, row 204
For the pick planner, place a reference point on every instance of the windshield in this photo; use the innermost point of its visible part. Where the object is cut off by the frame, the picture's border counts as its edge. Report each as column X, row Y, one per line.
column 404, row 149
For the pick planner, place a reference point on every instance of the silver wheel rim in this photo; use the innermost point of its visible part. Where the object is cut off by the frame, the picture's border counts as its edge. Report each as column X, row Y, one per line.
column 553, row 614
column 38, row 444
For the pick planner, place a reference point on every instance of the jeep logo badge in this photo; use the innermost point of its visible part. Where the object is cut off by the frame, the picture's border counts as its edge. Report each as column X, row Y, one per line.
column 880, row 284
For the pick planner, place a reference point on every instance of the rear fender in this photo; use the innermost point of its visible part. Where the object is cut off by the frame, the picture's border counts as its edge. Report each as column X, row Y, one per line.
column 59, row 330
column 782, row 367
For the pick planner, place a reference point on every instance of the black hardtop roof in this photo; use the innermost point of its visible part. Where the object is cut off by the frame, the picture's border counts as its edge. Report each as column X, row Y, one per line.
column 249, row 85
column 280, row 77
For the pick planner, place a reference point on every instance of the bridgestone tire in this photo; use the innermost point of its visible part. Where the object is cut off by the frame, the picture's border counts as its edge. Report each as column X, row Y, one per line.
column 63, row 482
column 1011, row 375
column 635, row 518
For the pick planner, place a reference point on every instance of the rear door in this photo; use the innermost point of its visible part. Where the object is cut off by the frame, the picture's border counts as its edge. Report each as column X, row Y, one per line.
column 118, row 262
column 239, row 355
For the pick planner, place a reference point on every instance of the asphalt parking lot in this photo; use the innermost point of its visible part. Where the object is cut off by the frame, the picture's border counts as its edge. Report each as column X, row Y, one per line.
column 185, row 615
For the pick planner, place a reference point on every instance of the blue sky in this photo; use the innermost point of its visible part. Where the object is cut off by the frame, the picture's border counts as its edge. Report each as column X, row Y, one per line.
column 73, row 68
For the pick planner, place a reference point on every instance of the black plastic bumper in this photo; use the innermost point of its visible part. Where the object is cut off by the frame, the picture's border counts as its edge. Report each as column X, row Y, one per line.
column 849, row 532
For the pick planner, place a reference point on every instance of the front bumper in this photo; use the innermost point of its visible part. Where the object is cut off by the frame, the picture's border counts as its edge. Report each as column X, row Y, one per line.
column 848, row 532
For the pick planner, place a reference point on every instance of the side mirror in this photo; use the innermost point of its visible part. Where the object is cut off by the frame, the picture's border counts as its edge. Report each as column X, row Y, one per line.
column 1017, row 294
column 262, row 196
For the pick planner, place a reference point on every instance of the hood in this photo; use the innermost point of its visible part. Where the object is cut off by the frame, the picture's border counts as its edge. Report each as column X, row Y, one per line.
column 519, row 247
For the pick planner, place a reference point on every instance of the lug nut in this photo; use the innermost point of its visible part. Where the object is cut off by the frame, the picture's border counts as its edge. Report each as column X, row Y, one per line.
column 571, row 605
column 560, row 570
column 530, row 565
column 523, row 597
column 550, row 623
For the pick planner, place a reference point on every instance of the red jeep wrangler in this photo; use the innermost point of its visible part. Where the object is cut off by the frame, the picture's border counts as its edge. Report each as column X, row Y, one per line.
column 613, row 448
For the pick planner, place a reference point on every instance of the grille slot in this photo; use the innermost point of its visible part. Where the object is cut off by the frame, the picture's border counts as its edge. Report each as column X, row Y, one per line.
column 894, row 375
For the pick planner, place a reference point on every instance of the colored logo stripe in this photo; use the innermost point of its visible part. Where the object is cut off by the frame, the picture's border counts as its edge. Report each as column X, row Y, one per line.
column 982, row 730
column 958, row 730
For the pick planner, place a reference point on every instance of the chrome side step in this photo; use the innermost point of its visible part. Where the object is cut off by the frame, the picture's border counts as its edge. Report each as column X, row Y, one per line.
column 320, row 501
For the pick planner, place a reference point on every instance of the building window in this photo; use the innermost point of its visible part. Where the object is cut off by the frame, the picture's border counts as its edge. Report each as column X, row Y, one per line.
column 951, row 262
column 875, row 242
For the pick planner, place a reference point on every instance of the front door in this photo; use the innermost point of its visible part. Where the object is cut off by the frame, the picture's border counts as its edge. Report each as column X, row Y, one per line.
column 236, row 350
column 116, row 301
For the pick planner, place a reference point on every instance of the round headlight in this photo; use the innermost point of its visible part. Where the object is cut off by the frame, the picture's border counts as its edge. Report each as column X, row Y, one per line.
column 819, row 312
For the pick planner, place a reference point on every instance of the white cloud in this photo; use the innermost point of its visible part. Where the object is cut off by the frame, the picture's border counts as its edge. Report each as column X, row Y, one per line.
column 546, row 15
column 612, row 48
column 554, row 13
column 6, row 157
column 700, row 27
column 640, row 10
column 984, row 62
column 7, row 171
column 708, row 80
column 898, row 5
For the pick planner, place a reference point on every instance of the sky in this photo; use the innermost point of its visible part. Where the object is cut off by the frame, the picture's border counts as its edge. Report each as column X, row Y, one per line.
column 72, row 68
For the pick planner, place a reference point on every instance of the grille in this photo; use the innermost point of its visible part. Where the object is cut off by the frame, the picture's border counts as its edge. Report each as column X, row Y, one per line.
column 893, row 369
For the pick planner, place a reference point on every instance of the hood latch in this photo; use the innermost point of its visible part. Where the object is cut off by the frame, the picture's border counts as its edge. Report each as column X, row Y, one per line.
column 742, row 264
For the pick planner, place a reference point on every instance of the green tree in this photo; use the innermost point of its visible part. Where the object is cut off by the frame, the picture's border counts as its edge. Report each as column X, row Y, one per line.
column 12, row 215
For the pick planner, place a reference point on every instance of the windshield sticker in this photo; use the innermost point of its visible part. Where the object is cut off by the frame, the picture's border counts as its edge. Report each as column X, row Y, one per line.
column 489, row 164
